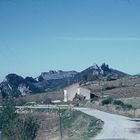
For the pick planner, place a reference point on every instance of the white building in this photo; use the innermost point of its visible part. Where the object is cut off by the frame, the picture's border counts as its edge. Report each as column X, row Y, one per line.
column 75, row 89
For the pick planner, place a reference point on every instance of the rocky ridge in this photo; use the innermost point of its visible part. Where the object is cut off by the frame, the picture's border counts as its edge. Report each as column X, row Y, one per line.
column 15, row 85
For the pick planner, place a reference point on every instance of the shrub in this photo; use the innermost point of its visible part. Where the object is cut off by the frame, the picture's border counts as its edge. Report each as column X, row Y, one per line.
column 27, row 128
column 47, row 101
column 127, row 106
column 106, row 101
column 118, row 102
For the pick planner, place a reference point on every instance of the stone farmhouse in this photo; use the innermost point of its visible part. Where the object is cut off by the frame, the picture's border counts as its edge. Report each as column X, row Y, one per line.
column 75, row 90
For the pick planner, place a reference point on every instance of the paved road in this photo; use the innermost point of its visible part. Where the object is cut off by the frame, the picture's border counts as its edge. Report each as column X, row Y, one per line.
column 115, row 127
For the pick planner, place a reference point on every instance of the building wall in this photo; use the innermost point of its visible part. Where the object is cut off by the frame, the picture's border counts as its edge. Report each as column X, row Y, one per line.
column 69, row 93
column 85, row 92
column 65, row 96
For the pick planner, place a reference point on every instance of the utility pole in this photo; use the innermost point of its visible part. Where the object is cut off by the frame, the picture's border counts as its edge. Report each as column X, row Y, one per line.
column 60, row 123
column 0, row 135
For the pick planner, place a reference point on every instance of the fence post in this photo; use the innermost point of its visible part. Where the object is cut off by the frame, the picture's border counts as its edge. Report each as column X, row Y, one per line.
column 134, row 112
column 0, row 135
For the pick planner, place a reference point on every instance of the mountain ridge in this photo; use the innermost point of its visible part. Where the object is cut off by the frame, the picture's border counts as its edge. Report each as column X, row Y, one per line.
column 15, row 85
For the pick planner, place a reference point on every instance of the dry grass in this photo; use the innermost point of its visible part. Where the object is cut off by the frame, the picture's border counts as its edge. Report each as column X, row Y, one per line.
column 41, row 97
column 133, row 113
column 134, row 101
column 124, row 92
column 121, row 88
column 48, row 125
column 75, row 125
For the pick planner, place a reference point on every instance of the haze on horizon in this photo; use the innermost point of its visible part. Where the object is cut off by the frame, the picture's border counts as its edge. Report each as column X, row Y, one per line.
column 43, row 35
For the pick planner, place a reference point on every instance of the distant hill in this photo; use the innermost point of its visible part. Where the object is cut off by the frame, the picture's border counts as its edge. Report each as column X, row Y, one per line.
column 15, row 85
column 137, row 74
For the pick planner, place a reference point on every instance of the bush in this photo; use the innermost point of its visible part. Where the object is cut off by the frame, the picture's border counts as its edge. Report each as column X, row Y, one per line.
column 107, row 101
column 118, row 102
column 127, row 106
column 47, row 101
column 27, row 128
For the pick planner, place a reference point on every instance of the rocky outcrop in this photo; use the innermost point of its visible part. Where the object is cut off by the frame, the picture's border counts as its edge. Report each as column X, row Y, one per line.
column 23, row 90
column 96, row 72
column 15, row 85
column 52, row 75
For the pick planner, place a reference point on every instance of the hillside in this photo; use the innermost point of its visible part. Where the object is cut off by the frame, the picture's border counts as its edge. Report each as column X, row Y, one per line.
column 126, row 87
column 15, row 85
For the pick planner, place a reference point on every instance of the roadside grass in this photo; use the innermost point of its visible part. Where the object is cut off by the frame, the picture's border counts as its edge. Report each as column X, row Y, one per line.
column 134, row 101
column 117, row 103
column 79, row 126
column 116, row 107
column 75, row 125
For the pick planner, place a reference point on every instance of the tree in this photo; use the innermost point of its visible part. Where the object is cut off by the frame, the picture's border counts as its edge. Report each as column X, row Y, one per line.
column 13, row 127
column 8, row 117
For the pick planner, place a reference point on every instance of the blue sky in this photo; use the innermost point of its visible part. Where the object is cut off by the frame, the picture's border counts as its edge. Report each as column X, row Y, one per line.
column 41, row 35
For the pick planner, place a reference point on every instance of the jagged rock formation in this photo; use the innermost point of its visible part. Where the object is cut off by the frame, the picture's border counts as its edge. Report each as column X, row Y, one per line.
column 96, row 72
column 15, row 85
column 52, row 75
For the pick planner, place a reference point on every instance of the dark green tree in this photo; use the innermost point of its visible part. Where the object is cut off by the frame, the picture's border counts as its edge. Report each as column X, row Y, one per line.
column 8, row 117
column 12, row 126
